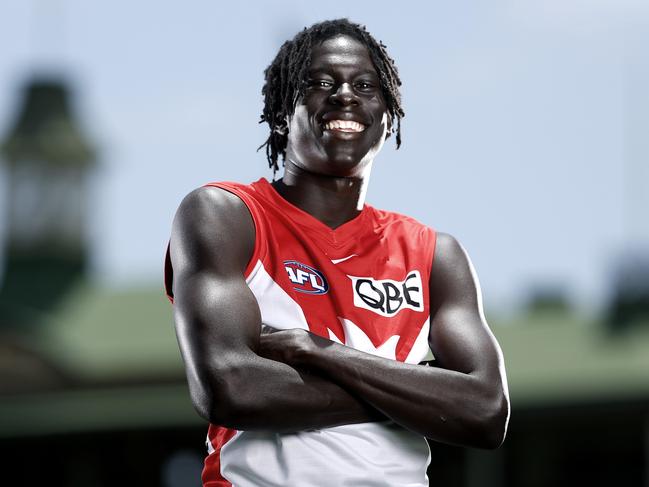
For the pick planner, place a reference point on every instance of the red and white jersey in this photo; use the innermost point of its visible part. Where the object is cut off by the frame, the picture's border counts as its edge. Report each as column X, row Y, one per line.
column 365, row 285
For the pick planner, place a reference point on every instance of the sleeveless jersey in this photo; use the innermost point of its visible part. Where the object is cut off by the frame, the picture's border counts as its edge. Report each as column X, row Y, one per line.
column 363, row 284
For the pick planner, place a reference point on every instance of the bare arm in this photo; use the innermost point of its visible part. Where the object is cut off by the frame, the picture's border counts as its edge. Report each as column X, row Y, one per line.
column 218, row 327
column 464, row 401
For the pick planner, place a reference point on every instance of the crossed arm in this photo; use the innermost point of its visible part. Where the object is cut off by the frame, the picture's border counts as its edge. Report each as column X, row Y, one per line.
column 244, row 380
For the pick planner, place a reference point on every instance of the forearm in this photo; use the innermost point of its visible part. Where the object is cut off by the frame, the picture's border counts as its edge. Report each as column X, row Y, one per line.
column 444, row 405
column 262, row 394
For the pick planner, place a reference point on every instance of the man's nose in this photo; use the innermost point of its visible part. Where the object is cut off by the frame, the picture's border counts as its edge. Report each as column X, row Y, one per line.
column 344, row 95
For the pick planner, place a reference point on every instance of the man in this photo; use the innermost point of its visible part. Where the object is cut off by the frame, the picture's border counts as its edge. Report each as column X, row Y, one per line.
column 351, row 299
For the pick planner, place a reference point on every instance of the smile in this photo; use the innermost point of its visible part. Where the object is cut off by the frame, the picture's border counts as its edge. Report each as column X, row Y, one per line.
column 344, row 126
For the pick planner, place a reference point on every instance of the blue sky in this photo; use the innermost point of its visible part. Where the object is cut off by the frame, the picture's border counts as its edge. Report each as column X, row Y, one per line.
column 523, row 134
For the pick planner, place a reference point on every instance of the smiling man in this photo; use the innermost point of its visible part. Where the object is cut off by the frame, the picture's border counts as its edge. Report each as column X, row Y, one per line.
column 304, row 315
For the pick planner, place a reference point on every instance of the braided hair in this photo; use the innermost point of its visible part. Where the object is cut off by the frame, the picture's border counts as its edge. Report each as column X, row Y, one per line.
column 285, row 81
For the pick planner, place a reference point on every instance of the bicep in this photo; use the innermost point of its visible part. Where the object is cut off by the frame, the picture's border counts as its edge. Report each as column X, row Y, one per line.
column 217, row 317
column 459, row 337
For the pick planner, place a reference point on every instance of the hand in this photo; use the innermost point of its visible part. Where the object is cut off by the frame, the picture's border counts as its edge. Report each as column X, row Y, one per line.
column 287, row 346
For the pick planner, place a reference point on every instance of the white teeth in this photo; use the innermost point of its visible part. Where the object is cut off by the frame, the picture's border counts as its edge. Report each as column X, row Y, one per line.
column 344, row 126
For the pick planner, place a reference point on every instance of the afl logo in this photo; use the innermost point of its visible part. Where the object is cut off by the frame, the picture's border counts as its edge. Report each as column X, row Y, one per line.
column 305, row 278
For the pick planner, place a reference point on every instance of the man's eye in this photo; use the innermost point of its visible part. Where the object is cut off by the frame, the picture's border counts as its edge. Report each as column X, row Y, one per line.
column 364, row 85
column 320, row 83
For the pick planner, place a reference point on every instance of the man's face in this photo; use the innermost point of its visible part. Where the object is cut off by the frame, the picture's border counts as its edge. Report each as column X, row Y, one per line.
column 340, row 123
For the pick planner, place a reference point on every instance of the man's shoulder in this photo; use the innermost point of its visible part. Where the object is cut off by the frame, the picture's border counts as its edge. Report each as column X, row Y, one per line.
column 388, row 218
column 212, row 229
column 210, row 201
column 210, row 212
column 237, row 187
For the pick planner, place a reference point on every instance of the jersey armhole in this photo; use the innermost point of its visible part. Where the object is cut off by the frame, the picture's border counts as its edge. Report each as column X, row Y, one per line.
column 259, row 251
column 431, row 247
column 168, row 275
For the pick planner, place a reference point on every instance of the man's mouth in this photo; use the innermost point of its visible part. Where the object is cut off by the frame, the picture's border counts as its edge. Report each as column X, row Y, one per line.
column 344, row 126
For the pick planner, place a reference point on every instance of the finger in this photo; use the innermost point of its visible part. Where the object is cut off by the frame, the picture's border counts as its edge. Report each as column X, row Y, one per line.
column 266, row 329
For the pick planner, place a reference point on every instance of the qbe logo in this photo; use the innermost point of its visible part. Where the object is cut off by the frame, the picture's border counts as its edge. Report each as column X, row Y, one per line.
column 305, row 278
column 387, row 297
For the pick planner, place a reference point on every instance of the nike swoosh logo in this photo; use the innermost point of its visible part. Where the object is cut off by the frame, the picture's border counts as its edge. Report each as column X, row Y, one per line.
column 338, row 261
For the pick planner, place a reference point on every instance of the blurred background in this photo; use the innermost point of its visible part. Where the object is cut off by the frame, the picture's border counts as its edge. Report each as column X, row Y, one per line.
column 526, row 136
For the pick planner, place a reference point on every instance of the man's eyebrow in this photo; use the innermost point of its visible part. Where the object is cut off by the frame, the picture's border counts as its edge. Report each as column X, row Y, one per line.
column 324, row 70
column 312, row 72
column 370, row 73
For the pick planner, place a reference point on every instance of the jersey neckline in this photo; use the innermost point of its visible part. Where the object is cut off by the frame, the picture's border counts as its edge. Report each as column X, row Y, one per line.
column 336, row 236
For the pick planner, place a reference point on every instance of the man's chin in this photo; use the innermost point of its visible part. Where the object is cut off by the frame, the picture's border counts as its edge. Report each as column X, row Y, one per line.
column 346, row 166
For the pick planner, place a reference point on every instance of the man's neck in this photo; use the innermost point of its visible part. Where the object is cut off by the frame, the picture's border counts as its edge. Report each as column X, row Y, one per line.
column 332, row 200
